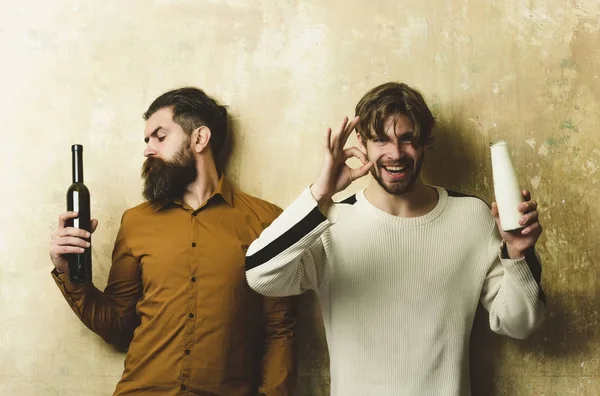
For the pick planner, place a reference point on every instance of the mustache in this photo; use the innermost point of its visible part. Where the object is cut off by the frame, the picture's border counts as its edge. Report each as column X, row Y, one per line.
column 167, row 180
column 152, row 164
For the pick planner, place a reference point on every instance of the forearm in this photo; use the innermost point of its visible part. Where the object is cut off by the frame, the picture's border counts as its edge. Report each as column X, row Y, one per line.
column 279, row 370
column 518, row 306
column 288, row 257
column 279, row 359
column 97, row 311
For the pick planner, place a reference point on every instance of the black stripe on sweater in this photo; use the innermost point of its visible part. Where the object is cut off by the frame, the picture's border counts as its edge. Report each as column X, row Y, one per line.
column 536, row 270
column 287, row 239
column 351, row 200
column 457, row 194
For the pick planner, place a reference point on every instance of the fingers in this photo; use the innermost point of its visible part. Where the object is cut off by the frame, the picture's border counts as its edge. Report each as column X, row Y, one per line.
column 527, row 206
column 73, row 232
column 62, row 219
column 529, row 218
column 526, row 195
column 67, row 245
column 535, row 228
column 341, row 137
column 355, row 152
column 328, row 140
column 56, row 251
column 349, row 128
column 357, row 173
column 337, row 142
column 71, row 241
column 343, row 126
column 362, row 171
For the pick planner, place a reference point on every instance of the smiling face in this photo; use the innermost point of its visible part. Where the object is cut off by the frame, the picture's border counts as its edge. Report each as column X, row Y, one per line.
column 394, row 129
column 397, row 161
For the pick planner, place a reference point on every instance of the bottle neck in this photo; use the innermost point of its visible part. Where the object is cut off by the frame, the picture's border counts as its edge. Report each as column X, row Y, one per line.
column 77, row 166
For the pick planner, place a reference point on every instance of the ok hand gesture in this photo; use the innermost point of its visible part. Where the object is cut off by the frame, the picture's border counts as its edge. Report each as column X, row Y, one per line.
column 335, row 175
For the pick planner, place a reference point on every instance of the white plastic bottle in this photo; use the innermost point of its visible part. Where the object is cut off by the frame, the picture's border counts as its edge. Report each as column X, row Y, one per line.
column 506, row 186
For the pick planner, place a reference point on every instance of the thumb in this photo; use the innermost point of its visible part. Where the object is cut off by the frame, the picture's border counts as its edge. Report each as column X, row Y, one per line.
column 494, row 209
column 93, row 225
column 363, row 170
column 496, row 214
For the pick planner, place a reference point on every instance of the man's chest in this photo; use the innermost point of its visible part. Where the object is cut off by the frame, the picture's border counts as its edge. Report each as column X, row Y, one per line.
column 205, row 250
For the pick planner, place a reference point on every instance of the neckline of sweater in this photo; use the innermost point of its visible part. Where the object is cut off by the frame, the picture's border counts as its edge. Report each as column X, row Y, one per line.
column 364, row 204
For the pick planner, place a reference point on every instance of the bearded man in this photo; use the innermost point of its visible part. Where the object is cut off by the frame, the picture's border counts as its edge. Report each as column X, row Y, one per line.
column 176, row 295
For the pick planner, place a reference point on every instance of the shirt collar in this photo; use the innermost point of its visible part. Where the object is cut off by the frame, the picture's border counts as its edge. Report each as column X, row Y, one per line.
column 223, row 189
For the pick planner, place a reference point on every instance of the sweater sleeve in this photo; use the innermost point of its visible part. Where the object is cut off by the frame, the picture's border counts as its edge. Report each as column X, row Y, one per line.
column 289, row 256
column 512, row 293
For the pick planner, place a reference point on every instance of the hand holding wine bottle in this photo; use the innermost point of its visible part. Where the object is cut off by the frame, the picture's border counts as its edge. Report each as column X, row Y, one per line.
column 70, row 247
column 68, row 240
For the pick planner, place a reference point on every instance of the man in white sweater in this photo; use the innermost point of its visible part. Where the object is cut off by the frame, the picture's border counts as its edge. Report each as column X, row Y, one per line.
column 400, row 267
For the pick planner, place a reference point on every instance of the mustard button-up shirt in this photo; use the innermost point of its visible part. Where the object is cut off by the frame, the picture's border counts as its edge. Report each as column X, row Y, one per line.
column 178, row 297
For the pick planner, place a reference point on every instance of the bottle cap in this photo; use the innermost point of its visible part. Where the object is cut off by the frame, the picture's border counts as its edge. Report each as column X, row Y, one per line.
column 77, row 147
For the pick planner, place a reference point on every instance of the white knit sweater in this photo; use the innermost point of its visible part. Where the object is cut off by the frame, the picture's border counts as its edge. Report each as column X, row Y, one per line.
column 398, row 295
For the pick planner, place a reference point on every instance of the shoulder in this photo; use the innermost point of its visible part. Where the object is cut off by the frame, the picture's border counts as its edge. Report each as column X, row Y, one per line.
column 134, row 217
column 470, row 208
column 138, row 211
column 262, row 209
column 456, row 197
column 346, row 207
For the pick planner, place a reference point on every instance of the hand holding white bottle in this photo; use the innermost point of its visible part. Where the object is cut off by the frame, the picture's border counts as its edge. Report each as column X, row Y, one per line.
column 506, row 187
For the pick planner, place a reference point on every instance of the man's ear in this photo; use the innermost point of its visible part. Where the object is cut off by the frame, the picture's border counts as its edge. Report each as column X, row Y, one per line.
column 200, row 139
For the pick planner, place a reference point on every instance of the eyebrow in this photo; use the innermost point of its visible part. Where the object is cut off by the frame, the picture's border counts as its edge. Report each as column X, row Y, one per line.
column 406, row 135
column 153, row 134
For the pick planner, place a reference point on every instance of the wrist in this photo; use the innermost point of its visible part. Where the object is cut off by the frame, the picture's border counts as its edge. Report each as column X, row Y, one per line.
column 323, row 200
column 59, row 272
column 513, row 253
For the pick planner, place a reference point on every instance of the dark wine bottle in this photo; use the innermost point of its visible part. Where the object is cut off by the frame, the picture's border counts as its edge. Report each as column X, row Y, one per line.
column 78, row 200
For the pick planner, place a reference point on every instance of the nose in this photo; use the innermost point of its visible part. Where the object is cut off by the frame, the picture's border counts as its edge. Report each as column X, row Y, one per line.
column 149, row 151
column 396, row 151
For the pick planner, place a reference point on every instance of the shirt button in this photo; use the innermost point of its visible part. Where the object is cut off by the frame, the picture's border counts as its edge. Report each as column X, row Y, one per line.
column 193, row 244
column 193, row 279
column 187, row 351
column 183, row 387
column 194, row 214
column 191, row 315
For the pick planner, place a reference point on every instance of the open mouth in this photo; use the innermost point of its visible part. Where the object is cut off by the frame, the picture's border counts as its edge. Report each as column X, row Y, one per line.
column 396, row 171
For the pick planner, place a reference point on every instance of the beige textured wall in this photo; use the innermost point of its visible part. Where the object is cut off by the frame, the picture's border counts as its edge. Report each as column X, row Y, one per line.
column 74, row 71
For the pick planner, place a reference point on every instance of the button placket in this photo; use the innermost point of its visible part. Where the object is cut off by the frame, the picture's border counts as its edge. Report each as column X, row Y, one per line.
column 191, row 306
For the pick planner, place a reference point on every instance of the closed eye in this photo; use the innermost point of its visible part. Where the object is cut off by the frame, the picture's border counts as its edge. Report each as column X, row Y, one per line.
column 159, row 134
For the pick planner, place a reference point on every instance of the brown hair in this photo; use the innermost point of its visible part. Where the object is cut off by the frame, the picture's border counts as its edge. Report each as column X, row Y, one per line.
column 393, row 99
column 192, row 108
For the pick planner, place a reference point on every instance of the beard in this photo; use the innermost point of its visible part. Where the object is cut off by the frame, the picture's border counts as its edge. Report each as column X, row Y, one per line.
column 399, row 187
column 168, row 180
